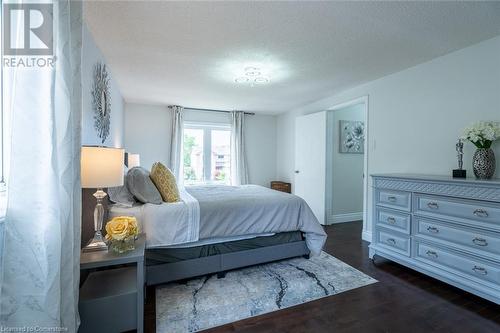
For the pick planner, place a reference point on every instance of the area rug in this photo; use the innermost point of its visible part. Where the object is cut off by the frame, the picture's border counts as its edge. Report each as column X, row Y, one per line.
column 207, row 302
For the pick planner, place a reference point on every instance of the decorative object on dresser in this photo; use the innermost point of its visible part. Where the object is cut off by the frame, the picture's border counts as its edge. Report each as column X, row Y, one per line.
column 460, row 172
column 444, row 227
column 112, row 298
column 352, row 136
column 482, row 135
column 121, row 232
column 281, row 186
column 101, row 167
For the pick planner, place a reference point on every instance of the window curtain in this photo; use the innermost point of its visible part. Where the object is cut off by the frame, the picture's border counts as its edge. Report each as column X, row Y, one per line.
column 176, row 164
column 239, row 174
column 39, row 271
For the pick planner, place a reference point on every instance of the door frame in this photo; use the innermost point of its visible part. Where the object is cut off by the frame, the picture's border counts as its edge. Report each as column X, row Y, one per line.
column 365, row 101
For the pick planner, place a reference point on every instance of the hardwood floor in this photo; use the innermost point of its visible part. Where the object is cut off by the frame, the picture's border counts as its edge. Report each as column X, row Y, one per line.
column 402, row 301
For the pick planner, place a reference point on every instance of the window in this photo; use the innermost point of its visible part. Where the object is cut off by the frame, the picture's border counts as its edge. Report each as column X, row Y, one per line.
column 207, row 153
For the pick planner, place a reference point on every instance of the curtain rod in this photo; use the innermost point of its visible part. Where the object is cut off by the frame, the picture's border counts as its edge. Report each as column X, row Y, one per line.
column 212, row 110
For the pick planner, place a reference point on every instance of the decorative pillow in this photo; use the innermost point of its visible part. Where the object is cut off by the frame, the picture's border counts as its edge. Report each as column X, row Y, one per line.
column 141, row 186
column 120, row 195
column 165, row 182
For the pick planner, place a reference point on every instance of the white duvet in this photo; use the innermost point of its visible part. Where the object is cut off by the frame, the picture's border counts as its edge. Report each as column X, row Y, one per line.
column 225, row 213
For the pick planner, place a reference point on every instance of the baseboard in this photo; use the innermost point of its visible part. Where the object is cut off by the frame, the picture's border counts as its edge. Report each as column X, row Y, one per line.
column 341, row 218
column 366, row 236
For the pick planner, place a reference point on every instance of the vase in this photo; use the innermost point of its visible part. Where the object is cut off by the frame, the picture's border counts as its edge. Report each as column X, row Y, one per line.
column 122, row 246
column 483, row 163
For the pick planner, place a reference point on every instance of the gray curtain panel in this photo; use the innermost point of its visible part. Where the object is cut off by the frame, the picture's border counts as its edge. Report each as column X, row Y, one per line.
column 239, row 173
column 177, row 142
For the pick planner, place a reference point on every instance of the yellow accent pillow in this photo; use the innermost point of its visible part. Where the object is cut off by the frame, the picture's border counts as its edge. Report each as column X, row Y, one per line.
column 164, row 181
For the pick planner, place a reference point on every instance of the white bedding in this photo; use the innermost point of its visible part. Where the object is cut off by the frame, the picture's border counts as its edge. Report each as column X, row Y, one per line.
column 211, row 214
column 166, row 224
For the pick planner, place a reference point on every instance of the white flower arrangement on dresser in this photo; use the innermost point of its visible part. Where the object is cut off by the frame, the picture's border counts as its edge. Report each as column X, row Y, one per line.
column 482, row 134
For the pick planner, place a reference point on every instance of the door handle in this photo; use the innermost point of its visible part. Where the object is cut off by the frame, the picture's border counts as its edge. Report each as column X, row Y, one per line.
column 297, row 171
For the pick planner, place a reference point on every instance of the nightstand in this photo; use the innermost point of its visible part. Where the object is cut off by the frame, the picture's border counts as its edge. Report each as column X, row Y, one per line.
column 112, row 298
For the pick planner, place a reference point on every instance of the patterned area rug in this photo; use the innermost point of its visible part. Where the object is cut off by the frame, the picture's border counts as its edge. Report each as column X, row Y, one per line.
column 208, row 301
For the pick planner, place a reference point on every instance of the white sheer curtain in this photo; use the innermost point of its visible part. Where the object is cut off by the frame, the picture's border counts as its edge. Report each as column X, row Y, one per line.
column 177, row 142
column 239, row 173
column 39, row 272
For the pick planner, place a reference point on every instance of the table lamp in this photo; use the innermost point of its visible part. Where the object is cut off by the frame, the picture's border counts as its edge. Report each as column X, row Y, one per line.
column 101, row 167
column 134, row 160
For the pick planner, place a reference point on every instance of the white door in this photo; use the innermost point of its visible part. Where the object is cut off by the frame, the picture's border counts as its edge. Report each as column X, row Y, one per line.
column 310, row 161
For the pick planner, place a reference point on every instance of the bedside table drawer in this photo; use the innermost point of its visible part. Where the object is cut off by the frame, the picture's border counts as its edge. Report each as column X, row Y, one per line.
column 394, row 241
column 394, row 199
column 108, row 301
column 394, row 220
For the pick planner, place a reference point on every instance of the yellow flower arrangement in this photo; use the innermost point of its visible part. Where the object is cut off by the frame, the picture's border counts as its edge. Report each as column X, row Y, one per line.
column 121, row 228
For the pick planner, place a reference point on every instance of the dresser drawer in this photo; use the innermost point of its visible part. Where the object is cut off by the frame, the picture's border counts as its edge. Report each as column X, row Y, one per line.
column 393, row 219
column 394, row 241
column 470, row 266
column 476, row 240
column 487, row 215
column 394, row 199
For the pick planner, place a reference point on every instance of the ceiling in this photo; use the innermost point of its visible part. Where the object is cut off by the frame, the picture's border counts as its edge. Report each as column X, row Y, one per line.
column 187, row 53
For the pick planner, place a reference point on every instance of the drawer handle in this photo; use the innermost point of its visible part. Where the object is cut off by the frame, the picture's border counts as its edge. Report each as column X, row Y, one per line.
column 431, row 254
column 392, row 199
column 433, row 205
column 391, row 241
column 432, row 229
column 391, row 220
column 481, row 213
column 480, row 241
column 480, row 270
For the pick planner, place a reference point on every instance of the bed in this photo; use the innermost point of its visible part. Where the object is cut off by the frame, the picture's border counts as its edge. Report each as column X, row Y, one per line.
column 215, row 228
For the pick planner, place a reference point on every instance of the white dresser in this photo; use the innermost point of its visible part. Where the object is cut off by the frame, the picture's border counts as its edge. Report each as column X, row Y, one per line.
column 443, row 227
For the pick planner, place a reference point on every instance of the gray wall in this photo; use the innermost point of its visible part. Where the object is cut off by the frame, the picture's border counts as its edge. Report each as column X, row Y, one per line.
column 416, row 115
column 148, row 131
column 346, row 170
column 90, row 56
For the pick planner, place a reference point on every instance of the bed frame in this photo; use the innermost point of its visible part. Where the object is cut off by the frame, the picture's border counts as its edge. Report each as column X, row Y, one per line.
column 162, row 273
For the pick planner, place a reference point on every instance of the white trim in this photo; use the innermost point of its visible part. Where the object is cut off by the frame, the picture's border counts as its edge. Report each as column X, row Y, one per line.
column 365, row 101
column 367, row 236
column 341, row 218
column 209, row 125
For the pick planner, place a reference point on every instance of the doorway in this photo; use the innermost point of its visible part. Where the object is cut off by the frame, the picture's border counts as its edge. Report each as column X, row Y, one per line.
column 347, row 162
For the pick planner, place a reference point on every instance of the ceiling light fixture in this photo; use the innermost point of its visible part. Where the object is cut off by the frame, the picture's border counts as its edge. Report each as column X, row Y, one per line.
column 241, row 79
column 261, row 80
column 252, row 75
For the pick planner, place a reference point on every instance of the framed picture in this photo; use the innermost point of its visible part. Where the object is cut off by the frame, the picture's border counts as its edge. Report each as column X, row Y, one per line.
column 352, row 136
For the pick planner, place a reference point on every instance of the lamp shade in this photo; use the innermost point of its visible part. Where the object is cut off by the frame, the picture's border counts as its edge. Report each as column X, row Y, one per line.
column 134, row 160
column 102, row 167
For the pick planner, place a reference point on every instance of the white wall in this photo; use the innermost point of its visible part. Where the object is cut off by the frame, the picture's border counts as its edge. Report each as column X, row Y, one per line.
column 90, row 56
column 148, row 132
column 346, row 170
column 416, row 115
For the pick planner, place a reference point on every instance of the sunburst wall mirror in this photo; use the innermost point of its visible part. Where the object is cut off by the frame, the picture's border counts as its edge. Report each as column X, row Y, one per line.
column 101, row 101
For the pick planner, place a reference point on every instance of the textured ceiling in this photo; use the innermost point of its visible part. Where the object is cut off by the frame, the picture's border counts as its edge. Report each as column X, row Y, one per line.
column 186, row 52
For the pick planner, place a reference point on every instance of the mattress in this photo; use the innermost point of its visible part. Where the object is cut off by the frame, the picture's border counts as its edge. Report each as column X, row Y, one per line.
column 213, row 214
column 170, row 255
